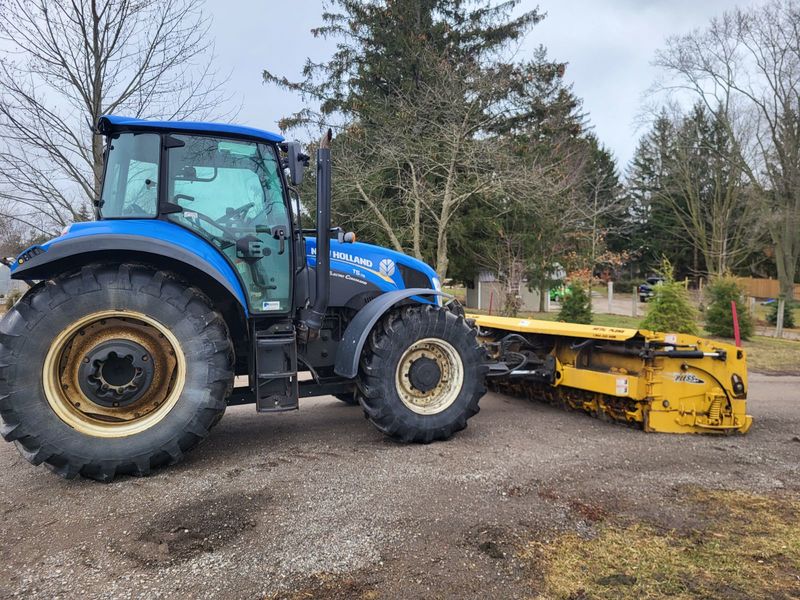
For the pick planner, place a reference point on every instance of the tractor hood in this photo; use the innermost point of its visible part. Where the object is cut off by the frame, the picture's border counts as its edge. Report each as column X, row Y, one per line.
column 384, row 268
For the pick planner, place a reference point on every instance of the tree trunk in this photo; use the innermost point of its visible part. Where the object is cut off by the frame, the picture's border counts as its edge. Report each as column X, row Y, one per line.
column 542, row 292
column 417, row 248
column 441, row 254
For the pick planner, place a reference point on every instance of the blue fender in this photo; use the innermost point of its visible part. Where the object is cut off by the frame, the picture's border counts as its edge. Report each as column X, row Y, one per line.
column 349, row 351
column 127, row 239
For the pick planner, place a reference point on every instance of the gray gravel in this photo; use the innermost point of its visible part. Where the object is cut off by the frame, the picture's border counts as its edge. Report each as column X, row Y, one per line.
column 317, row 502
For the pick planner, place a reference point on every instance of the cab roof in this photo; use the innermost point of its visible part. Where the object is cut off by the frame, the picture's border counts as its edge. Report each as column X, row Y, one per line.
column 112, row 123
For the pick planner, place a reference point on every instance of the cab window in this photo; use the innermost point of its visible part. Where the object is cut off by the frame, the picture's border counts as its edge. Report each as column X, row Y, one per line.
column 130, row 186
column 231, row 193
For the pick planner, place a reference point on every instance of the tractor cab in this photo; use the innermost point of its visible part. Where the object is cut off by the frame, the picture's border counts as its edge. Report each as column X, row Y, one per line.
column 229, row 191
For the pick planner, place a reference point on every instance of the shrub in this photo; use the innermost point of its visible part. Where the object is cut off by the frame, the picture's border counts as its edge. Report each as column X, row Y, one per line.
column 576, row 306
column 670, row 308
column 719, row 317
column 788, row 314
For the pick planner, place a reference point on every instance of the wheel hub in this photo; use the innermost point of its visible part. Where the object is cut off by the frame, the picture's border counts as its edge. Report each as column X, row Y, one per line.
column 424, row 374
column 116, row 373
column 429, row 376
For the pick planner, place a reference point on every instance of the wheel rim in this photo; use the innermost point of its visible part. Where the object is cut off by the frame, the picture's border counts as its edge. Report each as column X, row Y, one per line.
column 114, row 373
column 416, row 379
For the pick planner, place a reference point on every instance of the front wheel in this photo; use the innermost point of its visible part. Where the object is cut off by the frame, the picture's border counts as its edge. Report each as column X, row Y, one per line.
column 114, row 369
column 422, row 374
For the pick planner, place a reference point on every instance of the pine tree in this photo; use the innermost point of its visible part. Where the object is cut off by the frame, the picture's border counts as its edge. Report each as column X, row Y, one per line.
column 392, row 51
column 670, row 309
column 719, row 316
column 788, row 314
column 577, row 305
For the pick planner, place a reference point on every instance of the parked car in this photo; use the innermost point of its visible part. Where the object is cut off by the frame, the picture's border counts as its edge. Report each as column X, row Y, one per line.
column 646, row 290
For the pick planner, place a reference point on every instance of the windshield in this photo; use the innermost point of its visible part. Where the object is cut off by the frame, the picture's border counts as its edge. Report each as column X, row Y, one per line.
column 228, row 191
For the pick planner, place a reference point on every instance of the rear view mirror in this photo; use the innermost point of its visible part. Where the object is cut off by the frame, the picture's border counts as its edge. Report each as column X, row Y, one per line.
column 296, row 162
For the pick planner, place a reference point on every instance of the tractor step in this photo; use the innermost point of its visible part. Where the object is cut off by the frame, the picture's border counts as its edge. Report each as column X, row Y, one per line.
column 276, row 384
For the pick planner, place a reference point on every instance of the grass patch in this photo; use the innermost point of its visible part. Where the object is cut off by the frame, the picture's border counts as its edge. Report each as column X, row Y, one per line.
column 771, row 355
column 749, row 548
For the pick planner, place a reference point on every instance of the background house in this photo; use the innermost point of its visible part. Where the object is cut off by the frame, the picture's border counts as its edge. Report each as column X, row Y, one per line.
column 486, row 293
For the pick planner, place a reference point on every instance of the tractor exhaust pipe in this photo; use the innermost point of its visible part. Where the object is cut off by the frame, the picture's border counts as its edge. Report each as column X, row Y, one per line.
column 323, row 272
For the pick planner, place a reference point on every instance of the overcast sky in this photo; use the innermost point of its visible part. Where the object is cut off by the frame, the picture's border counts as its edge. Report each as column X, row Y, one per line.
column 608, row 44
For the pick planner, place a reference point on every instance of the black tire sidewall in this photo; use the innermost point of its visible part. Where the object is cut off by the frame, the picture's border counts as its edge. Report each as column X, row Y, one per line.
column 403, row 329
column 190, row 324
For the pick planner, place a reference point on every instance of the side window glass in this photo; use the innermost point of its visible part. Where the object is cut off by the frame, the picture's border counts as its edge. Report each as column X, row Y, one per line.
column 130, row 189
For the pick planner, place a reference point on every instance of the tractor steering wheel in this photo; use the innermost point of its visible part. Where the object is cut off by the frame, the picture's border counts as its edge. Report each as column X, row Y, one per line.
column 235, row 214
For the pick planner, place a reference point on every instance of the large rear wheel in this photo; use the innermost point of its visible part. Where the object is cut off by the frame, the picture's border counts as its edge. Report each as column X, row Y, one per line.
column 115, row 369
column 422, row 374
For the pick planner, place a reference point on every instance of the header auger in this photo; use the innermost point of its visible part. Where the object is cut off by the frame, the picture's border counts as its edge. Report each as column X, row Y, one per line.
column 123, row 354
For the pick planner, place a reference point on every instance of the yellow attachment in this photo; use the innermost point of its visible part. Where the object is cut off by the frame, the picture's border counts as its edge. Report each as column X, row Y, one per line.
column 611, row 379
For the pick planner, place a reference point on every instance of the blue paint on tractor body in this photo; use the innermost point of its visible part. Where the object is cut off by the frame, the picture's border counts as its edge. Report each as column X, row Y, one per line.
column 117, row 122
column 375, row 264
column 163, row 231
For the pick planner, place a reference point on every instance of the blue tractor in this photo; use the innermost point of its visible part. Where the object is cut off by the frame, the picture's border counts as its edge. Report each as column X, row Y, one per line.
column 125, row 351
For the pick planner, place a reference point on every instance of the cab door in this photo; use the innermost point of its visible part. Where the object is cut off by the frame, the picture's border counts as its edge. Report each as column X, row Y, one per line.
column 231, row 193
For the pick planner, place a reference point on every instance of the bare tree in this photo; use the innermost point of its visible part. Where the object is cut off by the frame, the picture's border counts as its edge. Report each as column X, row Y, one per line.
column 413, row 172
column 71, row 62
column 709, row 194
column 745, row 66
column 541, row 216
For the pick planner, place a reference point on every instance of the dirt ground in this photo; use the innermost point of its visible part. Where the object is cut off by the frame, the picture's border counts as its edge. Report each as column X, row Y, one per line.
column 317, row 504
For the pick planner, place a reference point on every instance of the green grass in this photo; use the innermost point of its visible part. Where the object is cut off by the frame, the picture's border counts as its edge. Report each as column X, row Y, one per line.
column 773, row 356
column 748, row 546
column 760, row 314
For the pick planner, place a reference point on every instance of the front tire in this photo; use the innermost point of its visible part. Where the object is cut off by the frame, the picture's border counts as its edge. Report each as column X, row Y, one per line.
column 350, row 398
column 422, row 374
column 116, row 369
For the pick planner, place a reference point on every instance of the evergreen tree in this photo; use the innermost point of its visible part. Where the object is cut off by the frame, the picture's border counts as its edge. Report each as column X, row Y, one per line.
column 788, row 314
column 719, row 316
column 386, row 86
column 670, row 309
column 577, row 305
column 689, row 197
column 655, row 232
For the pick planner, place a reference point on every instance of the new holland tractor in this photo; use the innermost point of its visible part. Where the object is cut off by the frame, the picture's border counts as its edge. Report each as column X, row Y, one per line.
column 125, row 350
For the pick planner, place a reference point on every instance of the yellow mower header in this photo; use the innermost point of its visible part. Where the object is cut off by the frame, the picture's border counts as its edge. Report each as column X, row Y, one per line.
column 667, row 382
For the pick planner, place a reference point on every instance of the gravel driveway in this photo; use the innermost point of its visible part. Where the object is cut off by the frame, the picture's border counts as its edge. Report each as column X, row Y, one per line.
column 318, row 504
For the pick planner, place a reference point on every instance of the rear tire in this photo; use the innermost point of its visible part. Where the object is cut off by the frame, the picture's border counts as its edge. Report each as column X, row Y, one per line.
column 437, row 408
column 91, row 432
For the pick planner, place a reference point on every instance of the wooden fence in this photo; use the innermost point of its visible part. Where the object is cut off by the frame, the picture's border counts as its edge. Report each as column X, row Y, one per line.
column 764, row 288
